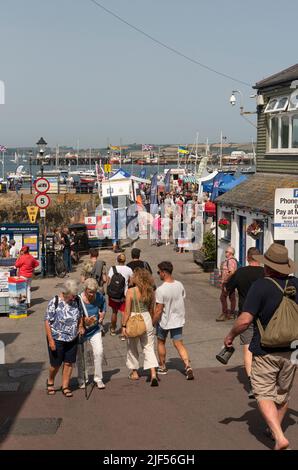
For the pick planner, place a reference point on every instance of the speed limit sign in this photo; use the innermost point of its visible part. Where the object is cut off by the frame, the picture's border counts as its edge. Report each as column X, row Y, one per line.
column 42, row 201
column 42, row 185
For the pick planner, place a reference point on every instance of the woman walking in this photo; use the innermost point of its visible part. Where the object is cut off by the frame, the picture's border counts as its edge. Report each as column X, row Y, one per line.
column 141, row 299
column 26, row 265
column 94, row 306
column 63, row 323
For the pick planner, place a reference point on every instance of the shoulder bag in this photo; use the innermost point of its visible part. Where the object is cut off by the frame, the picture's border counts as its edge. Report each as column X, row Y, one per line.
column 135, row 325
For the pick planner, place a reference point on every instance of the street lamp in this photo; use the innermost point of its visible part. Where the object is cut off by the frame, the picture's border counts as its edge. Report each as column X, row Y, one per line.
column 41, row 144
column 243, row 113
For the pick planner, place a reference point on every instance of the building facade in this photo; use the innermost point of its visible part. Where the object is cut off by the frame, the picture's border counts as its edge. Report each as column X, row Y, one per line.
column 250, row 206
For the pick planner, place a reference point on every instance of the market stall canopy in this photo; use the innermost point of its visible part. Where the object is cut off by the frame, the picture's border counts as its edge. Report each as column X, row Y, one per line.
column 122, row 174
column 190, row 179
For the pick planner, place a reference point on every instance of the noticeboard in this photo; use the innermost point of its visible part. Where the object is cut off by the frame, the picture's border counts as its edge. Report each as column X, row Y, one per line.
column 23, row 234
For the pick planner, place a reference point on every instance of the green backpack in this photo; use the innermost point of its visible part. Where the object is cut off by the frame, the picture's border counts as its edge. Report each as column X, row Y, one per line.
column 282, row 329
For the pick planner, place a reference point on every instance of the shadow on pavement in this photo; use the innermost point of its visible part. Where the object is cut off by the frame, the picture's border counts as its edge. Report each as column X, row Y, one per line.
column 8, row 338
column 19, row 374
column 241, row 376
column 175, row 363
column 256, row 425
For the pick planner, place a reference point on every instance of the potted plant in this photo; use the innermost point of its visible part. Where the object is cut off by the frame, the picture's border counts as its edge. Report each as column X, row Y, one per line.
column 254, row 230
column 223, row 224
column 209, row 252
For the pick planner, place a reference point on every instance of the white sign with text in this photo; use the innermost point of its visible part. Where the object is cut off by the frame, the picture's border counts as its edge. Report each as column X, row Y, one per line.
column 286, row 214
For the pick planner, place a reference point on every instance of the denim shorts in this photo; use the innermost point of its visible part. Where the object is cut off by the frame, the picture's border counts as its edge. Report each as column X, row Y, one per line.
column 176, row 333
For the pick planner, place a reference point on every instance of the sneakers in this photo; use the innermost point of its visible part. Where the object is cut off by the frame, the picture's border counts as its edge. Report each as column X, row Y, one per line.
column 162, row 370
column 82, row 385
column 112, row 332
column 122, row 338
column 189, row 373
column 100, row 385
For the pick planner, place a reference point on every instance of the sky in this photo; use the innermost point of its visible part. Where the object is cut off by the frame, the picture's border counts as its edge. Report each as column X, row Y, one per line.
column 74, row 74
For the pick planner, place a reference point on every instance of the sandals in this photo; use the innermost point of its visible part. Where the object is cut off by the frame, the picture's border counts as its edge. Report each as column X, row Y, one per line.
column 154, row 382
column 131, row 377
column 67, row 392
column 50, row 389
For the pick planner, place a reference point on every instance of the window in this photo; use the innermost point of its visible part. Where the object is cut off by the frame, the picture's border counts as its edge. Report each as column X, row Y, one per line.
column 295, row 131
column 284, row 132
column 274, row 133
column 293, row 102
column 227, row 233
column 277, row 104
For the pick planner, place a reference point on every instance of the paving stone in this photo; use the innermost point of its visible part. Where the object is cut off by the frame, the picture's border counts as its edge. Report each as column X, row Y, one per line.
column 16, row 373
column 30, row 426
column 9, row 386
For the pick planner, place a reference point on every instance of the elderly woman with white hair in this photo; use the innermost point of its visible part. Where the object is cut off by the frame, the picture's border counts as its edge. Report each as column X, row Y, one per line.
column 94, row 306
column 63, row 323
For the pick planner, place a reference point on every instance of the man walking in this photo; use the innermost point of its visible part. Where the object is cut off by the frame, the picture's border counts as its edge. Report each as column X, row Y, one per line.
column 170, row 317
column 136, row 263
column 273, row 372
column 229, row 266
column 242, row 280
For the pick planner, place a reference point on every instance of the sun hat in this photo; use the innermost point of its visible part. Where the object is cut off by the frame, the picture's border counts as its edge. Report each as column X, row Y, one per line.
column 277, row 258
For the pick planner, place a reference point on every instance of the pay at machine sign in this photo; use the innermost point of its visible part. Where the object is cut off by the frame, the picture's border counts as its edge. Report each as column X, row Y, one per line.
column 32, row 213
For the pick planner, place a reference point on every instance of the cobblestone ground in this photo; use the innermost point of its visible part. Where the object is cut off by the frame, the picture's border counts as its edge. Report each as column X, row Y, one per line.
column 212, row 412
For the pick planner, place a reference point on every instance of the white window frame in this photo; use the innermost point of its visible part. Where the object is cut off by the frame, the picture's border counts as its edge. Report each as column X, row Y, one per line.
column 277, row 108
column 290, row 149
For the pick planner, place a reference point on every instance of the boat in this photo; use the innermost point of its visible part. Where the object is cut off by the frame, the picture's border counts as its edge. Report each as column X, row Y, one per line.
column 16, row 175
column 114, row 160
column 126, row 160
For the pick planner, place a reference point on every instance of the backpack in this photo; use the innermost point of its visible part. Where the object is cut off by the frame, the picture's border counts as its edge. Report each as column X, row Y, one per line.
column 116, row 288
column 282, row 329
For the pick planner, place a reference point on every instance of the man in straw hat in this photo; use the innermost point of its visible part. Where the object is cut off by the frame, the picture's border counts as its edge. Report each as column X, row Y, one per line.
column 273, row 371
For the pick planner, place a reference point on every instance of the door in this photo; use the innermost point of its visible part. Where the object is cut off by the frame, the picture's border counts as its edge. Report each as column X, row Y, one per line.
column 242, row 240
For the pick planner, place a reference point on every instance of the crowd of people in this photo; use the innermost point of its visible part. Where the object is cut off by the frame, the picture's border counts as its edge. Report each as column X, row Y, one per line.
column 267, row 326
column 76, row 316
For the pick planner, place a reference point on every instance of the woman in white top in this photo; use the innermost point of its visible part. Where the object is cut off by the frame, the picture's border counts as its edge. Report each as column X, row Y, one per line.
column 118, row 304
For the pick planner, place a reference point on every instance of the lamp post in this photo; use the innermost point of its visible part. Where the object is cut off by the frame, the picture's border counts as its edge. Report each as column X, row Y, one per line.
column 41, row 144
column 222, row 138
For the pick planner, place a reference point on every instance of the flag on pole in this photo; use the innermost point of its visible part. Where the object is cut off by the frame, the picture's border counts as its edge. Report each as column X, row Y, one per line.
column 183, row 150
column 143, row 173
column 153, row 191
column 3, row 148
column 115, row 147
column 146, row 148
column 216, row 183
column 168, row 181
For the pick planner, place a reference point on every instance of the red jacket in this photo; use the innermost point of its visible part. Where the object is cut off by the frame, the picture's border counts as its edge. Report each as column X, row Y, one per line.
column 26, row 265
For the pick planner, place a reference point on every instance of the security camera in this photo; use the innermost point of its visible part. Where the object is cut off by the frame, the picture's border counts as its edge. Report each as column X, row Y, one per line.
column 233, row 100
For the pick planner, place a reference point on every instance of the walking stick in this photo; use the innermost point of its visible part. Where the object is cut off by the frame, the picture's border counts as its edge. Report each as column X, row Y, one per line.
column 84, row 366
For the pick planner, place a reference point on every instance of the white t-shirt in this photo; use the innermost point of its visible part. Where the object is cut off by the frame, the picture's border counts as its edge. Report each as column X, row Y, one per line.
column 172, row 295
column 125, row 271
column 13, row 251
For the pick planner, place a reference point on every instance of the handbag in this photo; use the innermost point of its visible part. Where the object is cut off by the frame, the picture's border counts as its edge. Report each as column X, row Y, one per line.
column 135, row 325
column 86, row 325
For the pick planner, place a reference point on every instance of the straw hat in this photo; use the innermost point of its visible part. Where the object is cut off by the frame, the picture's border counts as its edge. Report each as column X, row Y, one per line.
column 277, row 258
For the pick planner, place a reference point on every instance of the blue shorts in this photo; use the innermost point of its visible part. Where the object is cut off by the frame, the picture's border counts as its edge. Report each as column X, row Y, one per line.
column 65, row 352
column 176, row 333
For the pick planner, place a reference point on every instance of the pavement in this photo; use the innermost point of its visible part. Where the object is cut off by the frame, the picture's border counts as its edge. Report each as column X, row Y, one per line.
column 211, row 412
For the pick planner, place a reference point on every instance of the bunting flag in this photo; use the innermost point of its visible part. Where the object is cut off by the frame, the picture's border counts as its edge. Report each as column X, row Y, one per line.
column 168, row 181
column 115, row 147
column 3, row 148
column 183, row 150
column 146, row 148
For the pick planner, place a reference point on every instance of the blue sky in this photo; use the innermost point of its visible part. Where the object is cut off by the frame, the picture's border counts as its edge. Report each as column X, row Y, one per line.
column 72, row 72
